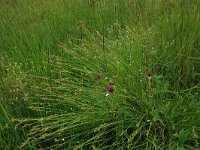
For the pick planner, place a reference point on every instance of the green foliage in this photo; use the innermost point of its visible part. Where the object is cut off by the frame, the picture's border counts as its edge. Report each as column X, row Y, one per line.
column 57, row 57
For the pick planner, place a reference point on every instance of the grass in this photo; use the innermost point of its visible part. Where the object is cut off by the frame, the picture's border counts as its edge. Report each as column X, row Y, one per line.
column 58, row 57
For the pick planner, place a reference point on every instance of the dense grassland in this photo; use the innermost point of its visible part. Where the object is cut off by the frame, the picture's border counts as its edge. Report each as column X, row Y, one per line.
column 107, row 74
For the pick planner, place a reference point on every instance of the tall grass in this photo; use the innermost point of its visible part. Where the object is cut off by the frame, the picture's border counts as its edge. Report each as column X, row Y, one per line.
column 57, row 57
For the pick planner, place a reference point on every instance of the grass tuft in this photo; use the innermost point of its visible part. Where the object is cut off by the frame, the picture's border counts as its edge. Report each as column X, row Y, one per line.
column 99, row 74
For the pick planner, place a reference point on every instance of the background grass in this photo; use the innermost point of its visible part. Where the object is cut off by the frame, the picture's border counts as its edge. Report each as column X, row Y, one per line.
column 57, row 57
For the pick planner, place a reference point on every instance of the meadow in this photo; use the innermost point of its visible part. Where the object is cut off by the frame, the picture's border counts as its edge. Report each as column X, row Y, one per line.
column 100, row 75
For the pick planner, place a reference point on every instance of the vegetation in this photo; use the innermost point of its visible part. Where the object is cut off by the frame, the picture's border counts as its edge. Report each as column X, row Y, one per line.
column 109, row 74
